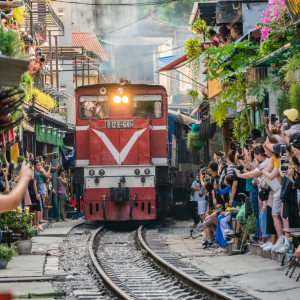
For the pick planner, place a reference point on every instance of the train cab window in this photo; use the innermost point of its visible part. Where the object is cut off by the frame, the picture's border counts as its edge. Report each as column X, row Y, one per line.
column 93, row 107
column 147, row 106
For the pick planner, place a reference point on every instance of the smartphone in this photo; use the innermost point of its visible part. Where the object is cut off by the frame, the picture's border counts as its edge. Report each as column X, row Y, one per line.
column 273, row 118
column 266, row 112
column 283, row 150
column 240, row 157
column 248, row 141
column 20, row 3
column 240, row 151
column 217, row 180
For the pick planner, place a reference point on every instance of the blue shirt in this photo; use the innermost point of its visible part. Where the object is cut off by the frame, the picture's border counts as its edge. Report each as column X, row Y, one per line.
column 249, row 186
column 38, row 183
column 224, row 191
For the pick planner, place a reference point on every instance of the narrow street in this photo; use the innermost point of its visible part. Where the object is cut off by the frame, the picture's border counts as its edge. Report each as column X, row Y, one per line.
column 150, row 149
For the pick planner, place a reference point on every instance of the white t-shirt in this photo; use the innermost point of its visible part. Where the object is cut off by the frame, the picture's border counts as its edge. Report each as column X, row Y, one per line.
column 31, row 51
column 202, row 192
column 264, row 164
column 273, row 184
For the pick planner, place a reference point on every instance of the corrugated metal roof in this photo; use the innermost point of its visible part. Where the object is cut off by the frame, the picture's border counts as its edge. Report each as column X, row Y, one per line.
column 89, row 40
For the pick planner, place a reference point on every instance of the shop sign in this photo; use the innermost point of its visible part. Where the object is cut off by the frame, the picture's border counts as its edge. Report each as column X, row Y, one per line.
column 294, row 9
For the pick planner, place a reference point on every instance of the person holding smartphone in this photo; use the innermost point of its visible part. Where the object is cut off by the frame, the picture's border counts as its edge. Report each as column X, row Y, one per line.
column 4, row 189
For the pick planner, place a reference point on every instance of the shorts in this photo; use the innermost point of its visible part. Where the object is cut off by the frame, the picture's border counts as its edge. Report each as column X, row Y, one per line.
column 270, row 223
column 43, row 188
column 37, row 204
column 201, row 207
column 274, row 201
column 61, row 196
column 208, row 223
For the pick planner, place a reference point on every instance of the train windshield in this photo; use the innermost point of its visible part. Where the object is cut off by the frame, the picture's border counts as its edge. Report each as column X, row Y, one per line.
column 93, row 107
column 147, row 106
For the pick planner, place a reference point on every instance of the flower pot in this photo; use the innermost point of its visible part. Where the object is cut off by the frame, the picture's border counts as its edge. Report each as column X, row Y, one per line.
column 24, row 247
column 3, row 263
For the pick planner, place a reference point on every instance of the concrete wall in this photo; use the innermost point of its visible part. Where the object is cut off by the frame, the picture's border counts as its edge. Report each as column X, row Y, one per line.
column 103, row 18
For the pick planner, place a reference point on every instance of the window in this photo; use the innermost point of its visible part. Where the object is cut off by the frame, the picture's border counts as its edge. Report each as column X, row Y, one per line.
column 93, row 107
column 147, row 106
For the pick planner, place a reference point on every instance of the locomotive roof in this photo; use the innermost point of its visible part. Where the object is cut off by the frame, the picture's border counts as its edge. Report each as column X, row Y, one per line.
column 119, row 85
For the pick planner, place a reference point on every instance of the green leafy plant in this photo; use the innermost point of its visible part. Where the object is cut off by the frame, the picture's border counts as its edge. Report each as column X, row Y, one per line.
column 7, row 253
column 193, row 48
column 295, row 95
column 193, row 143
column 25, row 227
column 28, row 86
column 291, row 68
column 44, row 99
column 241, row 129
column 249, row 227
column 10, row 44
column 282, row 104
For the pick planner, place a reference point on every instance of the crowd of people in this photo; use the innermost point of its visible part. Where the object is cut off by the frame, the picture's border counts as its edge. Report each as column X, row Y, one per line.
column 32, row 185
column 224, row 37
column 30, row 44
column 264, row 170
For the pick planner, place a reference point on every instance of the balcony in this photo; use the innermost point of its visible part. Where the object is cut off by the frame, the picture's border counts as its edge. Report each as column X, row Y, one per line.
column 42, row 18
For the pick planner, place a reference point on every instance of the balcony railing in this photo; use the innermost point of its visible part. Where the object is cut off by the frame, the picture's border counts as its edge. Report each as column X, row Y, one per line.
column 42, row 17
column 38, row 81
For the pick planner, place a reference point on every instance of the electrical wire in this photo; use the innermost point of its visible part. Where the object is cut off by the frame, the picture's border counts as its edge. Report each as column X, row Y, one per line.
column 121, row 27
column 119, row 4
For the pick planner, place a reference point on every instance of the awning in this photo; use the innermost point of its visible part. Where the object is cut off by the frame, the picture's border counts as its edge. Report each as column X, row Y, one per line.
column 273, row 57
column 173, row 62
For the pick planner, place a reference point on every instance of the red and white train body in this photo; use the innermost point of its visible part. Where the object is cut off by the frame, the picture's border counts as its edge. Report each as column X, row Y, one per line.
column 121, row 145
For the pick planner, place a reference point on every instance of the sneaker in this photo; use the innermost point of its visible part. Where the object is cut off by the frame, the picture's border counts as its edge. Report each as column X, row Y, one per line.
column 283, row 249
column 253, row 242
column 209, row 245
column 269, row 247
column 194, row 225
column 265, row 244
column 279, row 243
column 205, row 243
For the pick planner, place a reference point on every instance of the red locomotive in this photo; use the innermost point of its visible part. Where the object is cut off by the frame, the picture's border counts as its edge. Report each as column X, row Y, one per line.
column 122, row 151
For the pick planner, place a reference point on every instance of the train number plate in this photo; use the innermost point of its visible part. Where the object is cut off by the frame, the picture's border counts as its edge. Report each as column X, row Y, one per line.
column 118, row 124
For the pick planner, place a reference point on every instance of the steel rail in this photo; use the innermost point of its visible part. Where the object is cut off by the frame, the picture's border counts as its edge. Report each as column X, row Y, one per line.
column 110, row 284
column 185, row 278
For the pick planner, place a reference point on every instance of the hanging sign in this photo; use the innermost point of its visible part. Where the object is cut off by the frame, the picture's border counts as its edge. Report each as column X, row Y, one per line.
column 294, row 9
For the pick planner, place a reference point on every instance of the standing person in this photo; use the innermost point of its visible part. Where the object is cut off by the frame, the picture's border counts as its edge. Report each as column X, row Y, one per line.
column 35, row 194
column 193, row 202
column 213, row 170
column 62, row 187
column 200, row 198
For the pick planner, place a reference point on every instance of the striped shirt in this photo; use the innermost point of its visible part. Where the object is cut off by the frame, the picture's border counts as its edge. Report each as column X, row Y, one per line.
column 292, row 130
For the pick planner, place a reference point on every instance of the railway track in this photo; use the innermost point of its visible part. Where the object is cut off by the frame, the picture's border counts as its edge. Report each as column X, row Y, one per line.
column 135, row 265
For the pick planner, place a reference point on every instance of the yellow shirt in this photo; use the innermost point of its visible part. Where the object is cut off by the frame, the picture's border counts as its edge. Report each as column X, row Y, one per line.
column 276, row 163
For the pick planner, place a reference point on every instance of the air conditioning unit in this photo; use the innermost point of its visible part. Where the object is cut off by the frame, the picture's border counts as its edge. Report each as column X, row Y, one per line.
column 61, row 12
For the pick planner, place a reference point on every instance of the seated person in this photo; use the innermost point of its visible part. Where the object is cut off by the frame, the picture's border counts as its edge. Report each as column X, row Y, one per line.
column 236, row 33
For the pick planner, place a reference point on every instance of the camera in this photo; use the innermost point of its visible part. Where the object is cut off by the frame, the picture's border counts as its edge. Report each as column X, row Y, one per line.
column 273, row 118
column 223, row 161
column 249, row 141
column 276, row 131
column 266, row 112
column 295, row 144
column 219, row 153
column 206, row 180
column 55, row 156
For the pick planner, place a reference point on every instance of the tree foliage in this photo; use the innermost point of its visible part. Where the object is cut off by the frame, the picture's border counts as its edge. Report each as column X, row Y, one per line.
column 176, row 13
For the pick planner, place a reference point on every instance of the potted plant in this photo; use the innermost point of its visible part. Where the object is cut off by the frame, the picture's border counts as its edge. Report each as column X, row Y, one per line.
column 6, row 255
column 25, row 245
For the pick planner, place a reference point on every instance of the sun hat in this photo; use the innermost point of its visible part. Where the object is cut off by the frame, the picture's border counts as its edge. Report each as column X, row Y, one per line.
column 292, row 114
column 277, row 148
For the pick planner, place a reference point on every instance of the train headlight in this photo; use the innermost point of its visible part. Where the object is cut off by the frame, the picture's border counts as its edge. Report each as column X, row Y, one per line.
column 101, row 172
column 92, row 172
column 120, row 91
column 147, row 172
column 117, row 99
column 137, row 172
column 103, row 91
column 125, row 99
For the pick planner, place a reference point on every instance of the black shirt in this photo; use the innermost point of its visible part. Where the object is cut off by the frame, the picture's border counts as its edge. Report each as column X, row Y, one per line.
column 2, row 187
column 218, row 197
column 241, row 186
